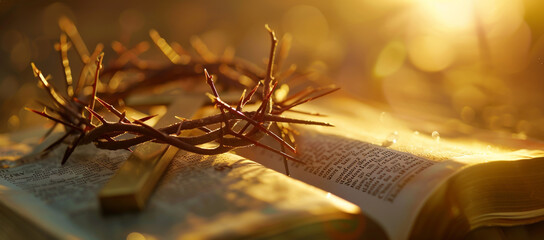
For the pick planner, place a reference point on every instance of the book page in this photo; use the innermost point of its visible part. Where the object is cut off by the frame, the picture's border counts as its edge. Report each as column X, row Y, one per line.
column 369, row 159
column 200, row 196
column 377, row 161
column 389, row 186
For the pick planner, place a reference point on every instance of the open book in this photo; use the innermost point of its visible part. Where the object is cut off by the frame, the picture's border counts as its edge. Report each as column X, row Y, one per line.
column 399, row 183
column 200, row 197
column 416, row 185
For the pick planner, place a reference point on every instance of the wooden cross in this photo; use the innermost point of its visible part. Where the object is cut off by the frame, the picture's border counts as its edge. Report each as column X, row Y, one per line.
column 130, row 188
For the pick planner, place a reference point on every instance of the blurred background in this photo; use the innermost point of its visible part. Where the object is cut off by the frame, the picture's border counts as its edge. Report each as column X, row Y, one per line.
column 476, row 63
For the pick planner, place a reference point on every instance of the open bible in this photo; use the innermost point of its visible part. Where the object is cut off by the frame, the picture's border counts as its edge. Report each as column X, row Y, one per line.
column 398, row 184
column 416, row 185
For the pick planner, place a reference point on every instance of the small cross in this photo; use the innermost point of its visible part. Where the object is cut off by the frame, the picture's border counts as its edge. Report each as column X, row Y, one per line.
column 130, row 187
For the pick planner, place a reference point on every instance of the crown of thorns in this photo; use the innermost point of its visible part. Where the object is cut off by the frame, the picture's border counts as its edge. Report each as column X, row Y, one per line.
column 231, row 128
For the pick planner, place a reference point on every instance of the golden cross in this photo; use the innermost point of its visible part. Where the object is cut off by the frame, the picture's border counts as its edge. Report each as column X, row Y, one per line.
column 130, row 188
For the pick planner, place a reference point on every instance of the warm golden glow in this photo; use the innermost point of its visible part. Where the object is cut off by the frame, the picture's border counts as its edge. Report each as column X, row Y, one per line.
column 430, row 53
column 497, row 16
column 307, row 24
column 135, row 236
column 477, row 61
column 448, row 15
column 390, row 59
column 140, row 236
column 343, row 204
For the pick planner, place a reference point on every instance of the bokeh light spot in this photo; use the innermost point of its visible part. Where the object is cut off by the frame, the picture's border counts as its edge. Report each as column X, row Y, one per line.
column 430, row 53
column 390, row 59
column 307, row 24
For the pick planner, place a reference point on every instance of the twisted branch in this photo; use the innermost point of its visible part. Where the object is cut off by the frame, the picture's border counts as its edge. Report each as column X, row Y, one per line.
column 237, row 128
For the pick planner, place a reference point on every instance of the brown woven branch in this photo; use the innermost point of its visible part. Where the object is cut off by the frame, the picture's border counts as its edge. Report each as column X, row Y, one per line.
column 237, row 128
